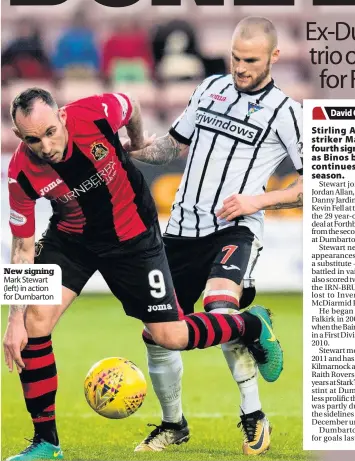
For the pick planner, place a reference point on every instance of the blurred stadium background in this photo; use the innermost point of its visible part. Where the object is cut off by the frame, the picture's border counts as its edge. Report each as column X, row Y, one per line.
column 158, row 54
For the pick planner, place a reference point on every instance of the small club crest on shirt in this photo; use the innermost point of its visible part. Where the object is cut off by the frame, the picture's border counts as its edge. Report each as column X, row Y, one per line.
column 99, row 150
column 252, row 108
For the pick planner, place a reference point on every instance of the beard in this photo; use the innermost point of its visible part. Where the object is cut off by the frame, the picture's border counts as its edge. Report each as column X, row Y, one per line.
column 254, row 84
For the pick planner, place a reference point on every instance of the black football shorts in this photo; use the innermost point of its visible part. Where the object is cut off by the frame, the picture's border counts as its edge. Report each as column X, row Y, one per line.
column 135, row 270
column 230, row 253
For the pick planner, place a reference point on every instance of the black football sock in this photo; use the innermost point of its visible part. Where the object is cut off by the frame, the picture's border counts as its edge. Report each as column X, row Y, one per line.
column 209, row 329
column 39, row 382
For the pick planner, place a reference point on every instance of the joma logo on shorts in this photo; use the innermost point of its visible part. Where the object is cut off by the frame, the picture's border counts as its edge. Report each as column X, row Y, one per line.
column 50, row 186
column 160, row 307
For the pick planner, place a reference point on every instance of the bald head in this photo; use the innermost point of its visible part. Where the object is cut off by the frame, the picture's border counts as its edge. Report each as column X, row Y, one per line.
column 254, row 51
column 39, row 124
column 255, row 27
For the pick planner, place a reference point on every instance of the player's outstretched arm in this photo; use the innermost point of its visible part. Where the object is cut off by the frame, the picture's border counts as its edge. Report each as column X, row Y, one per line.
column 15, row 338
column 291, row 197
column 239, row 205
column 161, row 151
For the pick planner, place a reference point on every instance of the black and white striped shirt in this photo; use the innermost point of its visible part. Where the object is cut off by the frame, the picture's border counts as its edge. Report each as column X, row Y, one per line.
column 237, row 140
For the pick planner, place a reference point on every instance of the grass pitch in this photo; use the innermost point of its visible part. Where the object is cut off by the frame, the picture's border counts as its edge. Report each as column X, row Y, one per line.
column 96, row 327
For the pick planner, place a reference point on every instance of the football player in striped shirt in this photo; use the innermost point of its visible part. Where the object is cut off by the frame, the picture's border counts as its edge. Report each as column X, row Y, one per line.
column 104, row 219
column 236, row 130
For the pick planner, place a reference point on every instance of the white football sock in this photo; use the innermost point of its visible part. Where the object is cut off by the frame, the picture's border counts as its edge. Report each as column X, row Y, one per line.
column 244, row 371
column 165, row 370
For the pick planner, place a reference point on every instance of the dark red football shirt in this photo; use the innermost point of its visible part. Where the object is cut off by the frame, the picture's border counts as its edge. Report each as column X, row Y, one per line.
column 96, row 192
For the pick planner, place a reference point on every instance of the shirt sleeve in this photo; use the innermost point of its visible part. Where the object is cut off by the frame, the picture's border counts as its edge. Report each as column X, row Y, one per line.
column 117, row 108
column 289, row 131
column 22, row 211
column 184, row 126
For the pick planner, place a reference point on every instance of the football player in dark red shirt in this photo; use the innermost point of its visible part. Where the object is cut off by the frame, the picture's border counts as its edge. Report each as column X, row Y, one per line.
column 103, row 219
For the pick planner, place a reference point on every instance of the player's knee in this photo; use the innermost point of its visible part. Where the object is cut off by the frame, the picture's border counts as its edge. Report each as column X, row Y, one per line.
column 168, row 342
column 222, row 302
column 172, row 335
column 156, row 353
column 39, row 321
